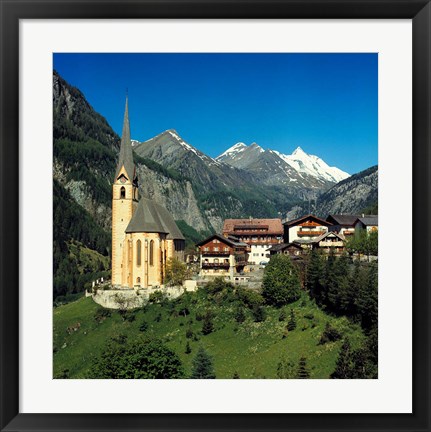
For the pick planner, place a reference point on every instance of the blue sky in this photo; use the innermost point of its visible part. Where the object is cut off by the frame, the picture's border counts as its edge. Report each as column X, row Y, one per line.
column 324, row 103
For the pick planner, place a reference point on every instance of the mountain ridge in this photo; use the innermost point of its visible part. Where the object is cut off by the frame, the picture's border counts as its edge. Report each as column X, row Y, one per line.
column 242, row 156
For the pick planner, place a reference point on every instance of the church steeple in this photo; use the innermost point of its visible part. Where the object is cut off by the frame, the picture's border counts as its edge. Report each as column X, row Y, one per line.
column 126, row 154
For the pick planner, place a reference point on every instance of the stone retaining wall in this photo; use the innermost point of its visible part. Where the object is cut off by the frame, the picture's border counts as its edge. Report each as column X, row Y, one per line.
column 131, row 299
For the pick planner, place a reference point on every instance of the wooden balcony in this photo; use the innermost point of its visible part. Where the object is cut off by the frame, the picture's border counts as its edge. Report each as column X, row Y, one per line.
column 310, row 233
column 216, row 253
column 215, row 265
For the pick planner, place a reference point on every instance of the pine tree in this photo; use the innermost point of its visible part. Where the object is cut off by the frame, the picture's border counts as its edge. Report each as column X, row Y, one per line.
column 207, row 326
column 303, row 372
column 282, row 316
column 188, row 348
column 367, row 300
column 315, row 271
column 236, row 375
column 240, row 315
column 202, row 366
column 291, row 325
column 343, row 369
column 340, row 298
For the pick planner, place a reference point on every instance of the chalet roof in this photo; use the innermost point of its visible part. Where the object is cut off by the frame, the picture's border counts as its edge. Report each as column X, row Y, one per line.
column 328, row 234
column 304, row 218
column 340, row 219
column 126, row 155
column 151, row 217
column 282, row 246
column 222, row 239
column 273, row 226
column 371, row 220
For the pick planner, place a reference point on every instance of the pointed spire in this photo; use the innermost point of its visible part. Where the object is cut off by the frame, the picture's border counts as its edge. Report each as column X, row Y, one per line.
column 126, row 154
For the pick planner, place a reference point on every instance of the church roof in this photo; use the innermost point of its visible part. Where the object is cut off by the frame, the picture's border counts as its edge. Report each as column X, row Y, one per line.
column 151, row 217
column 126, row 154
column 168, row 222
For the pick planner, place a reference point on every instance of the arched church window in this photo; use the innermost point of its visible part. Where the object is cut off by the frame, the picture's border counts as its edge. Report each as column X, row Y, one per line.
column 138, row 252
column 152, row 252
column 122, row 192
column 138, row 280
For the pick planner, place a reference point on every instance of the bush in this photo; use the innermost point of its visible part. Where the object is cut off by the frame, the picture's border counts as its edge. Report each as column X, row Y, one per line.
column 101, row 314
column 184, row 312
column 218, row 285
column 249, row 298
column 282, row 316
column 330, row 334
column 129, row 316
column 151, row 359
column 240, row 315
column 143, row 327
column 156, row 297
column 259, row 314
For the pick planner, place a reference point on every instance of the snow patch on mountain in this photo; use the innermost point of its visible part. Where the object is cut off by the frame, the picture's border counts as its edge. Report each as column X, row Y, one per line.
column 188, row 147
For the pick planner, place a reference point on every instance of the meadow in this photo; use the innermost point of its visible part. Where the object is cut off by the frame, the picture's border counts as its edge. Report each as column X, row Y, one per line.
column 242, row 347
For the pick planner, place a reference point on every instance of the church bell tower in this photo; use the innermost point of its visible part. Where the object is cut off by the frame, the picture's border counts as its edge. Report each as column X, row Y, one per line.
column 124, row 197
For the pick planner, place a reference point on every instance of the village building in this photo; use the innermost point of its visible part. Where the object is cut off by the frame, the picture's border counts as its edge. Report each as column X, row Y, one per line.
column 291, row 249
column 330, row 242
column 369, row 223
column 221, row 256
column 305, row 229
column 258, row 234
column 144, row 234
column 343, row 224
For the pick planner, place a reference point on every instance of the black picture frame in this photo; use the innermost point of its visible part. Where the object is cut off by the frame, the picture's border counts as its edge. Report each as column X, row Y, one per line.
column 12, row 12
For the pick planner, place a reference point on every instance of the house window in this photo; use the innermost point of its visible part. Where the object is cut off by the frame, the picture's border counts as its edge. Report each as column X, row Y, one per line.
column 216, row 249
column 138, row 280
column 151, row 252
column 122, row 192
column 138, row 252
column 226, row 249
column 206, row 249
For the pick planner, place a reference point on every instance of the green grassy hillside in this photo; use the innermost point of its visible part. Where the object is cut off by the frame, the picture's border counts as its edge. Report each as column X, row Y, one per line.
column 250, row 349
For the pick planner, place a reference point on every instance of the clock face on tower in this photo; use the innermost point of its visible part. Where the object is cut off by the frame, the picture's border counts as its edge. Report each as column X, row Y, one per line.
column 123, row 179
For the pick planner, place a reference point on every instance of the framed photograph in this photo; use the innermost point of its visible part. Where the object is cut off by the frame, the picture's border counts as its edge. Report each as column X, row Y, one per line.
column 215, row 215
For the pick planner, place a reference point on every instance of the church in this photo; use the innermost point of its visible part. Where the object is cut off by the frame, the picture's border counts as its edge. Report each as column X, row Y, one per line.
column 144, row 234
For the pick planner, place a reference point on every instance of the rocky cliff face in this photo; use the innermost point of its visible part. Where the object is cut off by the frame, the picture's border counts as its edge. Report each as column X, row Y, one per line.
column 352, row 195
column 176, row 196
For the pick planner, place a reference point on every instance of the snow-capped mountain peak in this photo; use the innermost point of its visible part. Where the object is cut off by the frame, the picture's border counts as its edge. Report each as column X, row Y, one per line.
column 314, row 166
column 242, row 156
column 237, row 148
column 298, row 151
column 256, row 146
